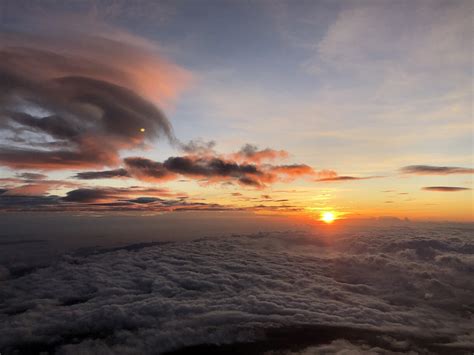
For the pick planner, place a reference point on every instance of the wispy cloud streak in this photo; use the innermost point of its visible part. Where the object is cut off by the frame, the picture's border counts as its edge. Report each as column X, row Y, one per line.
column 435, row 170
column 445, row 188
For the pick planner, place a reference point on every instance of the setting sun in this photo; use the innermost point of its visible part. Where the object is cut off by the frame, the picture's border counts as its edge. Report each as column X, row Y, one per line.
column 328, row 217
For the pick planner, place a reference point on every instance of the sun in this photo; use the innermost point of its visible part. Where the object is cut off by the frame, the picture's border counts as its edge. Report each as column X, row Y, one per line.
column 328, row 217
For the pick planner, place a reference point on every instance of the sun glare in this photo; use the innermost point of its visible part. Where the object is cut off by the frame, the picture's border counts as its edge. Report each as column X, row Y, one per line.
column 328, row 217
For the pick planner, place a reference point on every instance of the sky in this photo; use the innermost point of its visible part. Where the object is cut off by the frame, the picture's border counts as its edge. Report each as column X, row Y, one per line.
column 362, row 108
column 245, row 176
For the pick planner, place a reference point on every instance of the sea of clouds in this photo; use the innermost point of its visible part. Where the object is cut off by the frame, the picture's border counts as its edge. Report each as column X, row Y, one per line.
column 409, row 288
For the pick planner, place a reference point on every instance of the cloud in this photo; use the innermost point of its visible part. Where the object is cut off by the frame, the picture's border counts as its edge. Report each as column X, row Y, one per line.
column 32, row 184
column 105, row 200
column 73, row 99
column 344, row 178
column 251, row 153
column 96, row 137
column 203, row 163
column 214, row 169
column 435, row 170
column 33, row 189
column 12, row 202
column 445, row 188
column 386, row 289
column 332, row 176
column 88, row 195
column 33, row 197
column 31, row 176
column 110, row 194
column 148, row 170
column 293, row 169
column 399, row 49
column 199, row 147
column 107, row 174
column 210, row 168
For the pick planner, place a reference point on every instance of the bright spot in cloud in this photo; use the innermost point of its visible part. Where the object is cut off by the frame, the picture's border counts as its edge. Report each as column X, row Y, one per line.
column 142, row 130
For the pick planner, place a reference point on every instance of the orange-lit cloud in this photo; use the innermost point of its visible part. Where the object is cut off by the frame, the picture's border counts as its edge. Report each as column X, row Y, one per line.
column 74, row 100
column 21, row 187
column 251, row 153
column 332, row 176
column 206, row 166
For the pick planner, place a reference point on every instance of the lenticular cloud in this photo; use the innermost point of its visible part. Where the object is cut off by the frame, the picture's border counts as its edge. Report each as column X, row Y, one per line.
column 406, row 289
column 75, row 99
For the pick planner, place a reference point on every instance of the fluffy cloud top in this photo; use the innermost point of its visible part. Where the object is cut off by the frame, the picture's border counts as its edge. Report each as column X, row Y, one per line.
column 411, row 283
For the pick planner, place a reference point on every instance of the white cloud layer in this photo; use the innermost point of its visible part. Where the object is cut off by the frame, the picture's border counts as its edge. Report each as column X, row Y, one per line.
column 404, row 283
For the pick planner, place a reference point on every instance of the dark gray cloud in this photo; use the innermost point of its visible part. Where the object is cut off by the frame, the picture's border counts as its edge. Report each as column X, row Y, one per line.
column 72, row 99
column 407, row 283
column 93, row 137
column 146, row 200
column 211, row 168
column 206, row 165
column 26, row 203
column 147, row 169
column 445, row 188
column 31, row 176
column 114, row 193
column 199, row 147
column 106, row 174
column 435, row 170
column 88, row 195
column 345, row 178
column 99, row 199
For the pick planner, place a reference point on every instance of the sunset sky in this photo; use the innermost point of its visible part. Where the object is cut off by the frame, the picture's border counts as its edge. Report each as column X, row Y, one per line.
column 235, row 177
column 363, row 108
